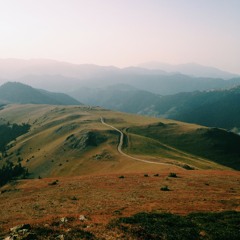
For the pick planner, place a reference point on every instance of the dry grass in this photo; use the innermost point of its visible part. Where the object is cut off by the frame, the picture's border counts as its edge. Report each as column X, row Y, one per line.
column 104, row 197
column 45, row 153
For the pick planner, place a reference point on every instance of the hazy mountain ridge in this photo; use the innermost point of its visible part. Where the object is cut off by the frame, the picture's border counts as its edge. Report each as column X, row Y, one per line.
column 14, row 92
column 159, row 84
column 192, row 69
column 216, row 108
column 65, row 77
column 133, row 89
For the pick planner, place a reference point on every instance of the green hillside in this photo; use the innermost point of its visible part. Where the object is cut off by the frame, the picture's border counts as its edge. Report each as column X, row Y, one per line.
column 215, row 108
column 13, row 92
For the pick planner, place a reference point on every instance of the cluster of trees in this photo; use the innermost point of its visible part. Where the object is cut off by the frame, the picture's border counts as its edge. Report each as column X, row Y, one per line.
column 10, row 171
column 9, row 132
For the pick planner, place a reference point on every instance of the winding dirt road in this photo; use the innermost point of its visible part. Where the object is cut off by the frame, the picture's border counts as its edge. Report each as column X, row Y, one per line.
column 126, row 155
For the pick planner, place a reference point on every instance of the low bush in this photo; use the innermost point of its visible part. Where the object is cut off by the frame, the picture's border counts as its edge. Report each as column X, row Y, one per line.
column 165, row 188
column 173, row 175
column 214, row 226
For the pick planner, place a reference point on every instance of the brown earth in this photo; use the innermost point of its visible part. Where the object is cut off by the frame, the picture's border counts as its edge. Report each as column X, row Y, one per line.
column 101, row 198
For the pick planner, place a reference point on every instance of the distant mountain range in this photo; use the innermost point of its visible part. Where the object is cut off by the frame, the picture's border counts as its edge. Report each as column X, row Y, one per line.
column 160, row 90
column 218, row 108
column 13, row 92
column 191, row 69
column 65, row 77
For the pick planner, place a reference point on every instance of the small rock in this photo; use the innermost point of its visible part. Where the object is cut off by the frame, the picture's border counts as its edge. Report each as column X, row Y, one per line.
column 64, row 220
column 60, row 237
column 17, row 228
column 23, row 231
column 8, row 238
column 13, row 237
column 82, row 218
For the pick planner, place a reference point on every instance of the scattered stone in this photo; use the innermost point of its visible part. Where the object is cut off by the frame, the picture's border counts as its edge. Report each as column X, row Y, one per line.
column 64, row 220
column 29, row 236
column 8, row 238
column 20, row 227
column 82, row 218
column 60, row 237
column 21, row 232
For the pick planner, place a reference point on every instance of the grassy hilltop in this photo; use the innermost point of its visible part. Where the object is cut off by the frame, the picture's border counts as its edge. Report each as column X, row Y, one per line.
column 67, row 141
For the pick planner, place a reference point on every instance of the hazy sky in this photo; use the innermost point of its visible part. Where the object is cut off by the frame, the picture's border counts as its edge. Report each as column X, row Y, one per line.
column 123, row 32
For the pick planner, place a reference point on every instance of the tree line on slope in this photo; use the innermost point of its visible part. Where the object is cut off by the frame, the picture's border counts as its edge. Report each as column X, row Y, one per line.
column 8, row 133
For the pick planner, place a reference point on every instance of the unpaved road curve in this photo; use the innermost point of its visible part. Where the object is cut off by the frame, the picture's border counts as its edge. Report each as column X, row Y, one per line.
column 126, row 155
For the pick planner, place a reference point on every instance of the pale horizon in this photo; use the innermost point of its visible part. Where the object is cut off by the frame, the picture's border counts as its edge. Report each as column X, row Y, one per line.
column 122, row 33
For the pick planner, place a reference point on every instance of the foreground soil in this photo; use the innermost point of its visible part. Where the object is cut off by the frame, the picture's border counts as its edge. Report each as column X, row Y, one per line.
column 91, row 202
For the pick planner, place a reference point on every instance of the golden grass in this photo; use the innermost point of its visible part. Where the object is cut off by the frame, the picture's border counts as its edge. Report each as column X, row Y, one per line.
column 45, row 154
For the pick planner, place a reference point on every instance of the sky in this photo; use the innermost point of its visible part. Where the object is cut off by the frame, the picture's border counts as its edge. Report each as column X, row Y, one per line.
column 123, row 32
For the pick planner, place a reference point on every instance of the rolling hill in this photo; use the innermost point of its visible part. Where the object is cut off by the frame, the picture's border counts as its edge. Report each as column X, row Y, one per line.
column 68, row 141
column 13, row 92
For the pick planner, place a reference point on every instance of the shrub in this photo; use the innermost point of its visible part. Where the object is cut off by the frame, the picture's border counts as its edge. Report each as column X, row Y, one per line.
column 121, row 176
column 173, row 175
column 74, row 198
column 165, row 188
column 221, row 226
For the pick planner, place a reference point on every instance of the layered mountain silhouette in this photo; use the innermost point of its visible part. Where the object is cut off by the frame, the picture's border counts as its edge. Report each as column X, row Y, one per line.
column 192, row 69
column 149, row 89
column 14, row 92
column 65, row 77
column 216, row 108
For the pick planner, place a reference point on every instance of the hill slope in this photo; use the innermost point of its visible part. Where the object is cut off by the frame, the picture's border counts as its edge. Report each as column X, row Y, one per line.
column 13, row 92
column 69, row 141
